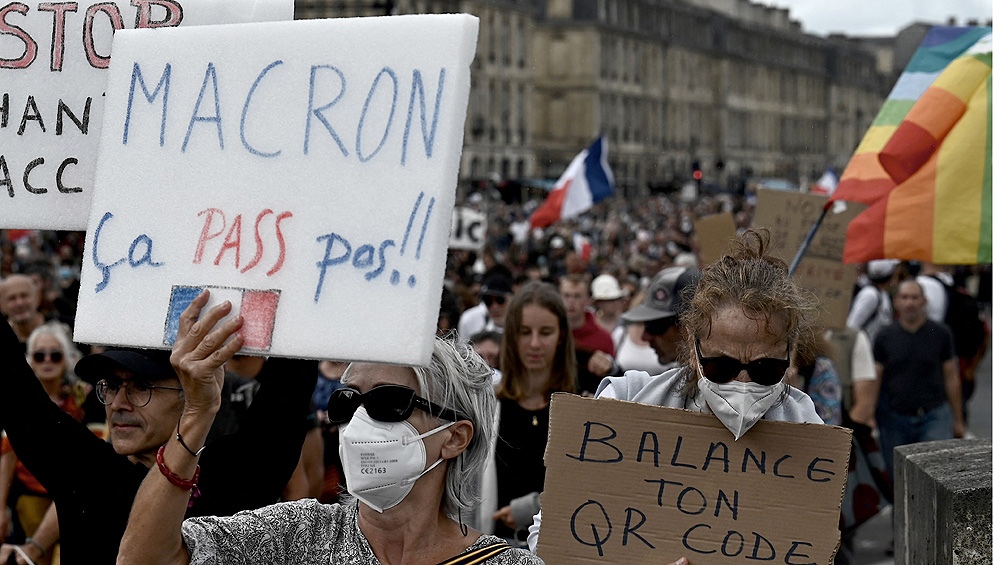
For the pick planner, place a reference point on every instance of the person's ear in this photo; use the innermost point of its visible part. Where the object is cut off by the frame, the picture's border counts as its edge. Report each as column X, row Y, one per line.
column 461, row 435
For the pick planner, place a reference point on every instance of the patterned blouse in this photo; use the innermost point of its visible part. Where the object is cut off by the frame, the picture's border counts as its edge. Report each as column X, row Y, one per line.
column 301, row 532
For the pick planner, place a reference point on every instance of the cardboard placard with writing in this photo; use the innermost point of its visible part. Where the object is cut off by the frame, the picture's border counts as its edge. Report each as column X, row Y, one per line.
column 307, row 176
column 714, row 233
column 641, row 484
column 789, row 217
column 469, row 229
column 55, row 57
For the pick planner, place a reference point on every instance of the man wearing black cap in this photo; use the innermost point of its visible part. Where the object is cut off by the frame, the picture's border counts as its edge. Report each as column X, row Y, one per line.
column 489, row 314
column 93, row 482
column 661, row 310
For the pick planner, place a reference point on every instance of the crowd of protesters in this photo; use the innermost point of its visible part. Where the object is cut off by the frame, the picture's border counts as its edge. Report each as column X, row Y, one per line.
column 622, row 244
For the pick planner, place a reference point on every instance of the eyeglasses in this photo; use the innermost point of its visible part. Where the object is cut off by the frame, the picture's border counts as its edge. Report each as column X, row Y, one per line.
column 490, row 299
column 138, row 393
column 54, row 356
column 722, row 369
column 384, row 403
column 660, row 325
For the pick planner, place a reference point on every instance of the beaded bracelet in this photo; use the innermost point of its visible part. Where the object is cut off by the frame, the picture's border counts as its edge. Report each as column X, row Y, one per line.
column 183, row 484
column 185, row 445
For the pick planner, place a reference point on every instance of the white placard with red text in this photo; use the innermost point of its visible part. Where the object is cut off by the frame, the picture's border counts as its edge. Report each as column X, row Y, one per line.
column 303, row 170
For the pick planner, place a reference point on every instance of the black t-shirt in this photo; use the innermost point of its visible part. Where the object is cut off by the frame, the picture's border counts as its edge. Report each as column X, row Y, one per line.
column 519, row 454
column 912, row 375
column 94, row 487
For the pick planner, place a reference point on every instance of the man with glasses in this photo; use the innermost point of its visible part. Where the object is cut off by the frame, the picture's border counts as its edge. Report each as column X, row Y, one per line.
column 93, row 482
column 489, row 314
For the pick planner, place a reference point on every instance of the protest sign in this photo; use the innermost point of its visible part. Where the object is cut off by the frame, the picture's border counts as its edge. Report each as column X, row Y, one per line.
column 303, row 170
column 789, row 217
column 714, row 233
column 641, row 484
column 469, row 227
column 53, row 66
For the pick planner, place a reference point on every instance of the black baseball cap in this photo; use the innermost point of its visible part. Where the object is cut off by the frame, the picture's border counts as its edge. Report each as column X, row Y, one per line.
column 496, row 285
column 663, row 298
column 146, row 364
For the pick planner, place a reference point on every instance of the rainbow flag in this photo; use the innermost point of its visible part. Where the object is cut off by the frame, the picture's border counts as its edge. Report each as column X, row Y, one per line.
column 924, row 166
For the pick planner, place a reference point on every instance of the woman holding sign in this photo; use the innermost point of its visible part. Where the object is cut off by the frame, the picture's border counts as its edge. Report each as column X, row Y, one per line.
column 413, row 442
column 741, row 328
column 538, row 359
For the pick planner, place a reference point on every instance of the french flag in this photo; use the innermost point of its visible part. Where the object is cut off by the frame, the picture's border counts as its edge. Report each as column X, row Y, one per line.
column 826, row 184
column 256, row 306
column 586, row 181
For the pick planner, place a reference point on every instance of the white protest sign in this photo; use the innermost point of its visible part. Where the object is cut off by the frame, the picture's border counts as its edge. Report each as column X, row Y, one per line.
column 469, row 228
column 303, row 170
column 53, row 66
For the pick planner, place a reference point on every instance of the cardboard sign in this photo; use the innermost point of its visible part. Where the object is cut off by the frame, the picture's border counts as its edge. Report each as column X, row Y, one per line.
column 789, row 216
column 306, row 175
column 53, row 67
column 640, row 484
column 714, row 233
column 469, row 229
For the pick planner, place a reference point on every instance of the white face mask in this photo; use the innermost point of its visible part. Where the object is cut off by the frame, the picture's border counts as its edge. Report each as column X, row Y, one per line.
column 739, row 405
column 382, row 460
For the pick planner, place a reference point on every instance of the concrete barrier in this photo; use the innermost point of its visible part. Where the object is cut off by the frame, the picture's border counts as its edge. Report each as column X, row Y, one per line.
column 943, row 512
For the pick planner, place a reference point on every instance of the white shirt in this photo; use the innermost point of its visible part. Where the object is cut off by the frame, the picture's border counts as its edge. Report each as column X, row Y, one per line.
column 936, row 295
column 474, row 320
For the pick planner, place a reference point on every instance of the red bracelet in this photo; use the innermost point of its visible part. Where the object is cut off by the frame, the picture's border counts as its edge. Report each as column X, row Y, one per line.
column 183, row 484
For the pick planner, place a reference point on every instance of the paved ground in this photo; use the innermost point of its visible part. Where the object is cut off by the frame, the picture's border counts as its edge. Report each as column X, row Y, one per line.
column 873, row 537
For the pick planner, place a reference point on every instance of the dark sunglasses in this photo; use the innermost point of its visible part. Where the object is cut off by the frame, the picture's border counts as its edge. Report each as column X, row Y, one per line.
column 660, row 326
column 490, row 299
column 54, row 356
column 722, row 369
column 384, row 403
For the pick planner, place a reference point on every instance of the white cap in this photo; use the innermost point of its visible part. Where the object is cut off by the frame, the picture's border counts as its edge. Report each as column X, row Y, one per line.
column 881, row 268
column 606, row 287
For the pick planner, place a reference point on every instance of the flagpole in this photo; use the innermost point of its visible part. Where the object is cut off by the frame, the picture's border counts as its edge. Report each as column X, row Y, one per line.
column 808, row 238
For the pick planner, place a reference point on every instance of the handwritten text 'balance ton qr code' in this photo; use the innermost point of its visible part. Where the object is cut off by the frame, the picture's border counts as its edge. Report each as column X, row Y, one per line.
column 371, row 259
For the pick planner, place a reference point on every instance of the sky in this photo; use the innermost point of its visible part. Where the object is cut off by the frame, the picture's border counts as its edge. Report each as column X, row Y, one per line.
column 878, row 17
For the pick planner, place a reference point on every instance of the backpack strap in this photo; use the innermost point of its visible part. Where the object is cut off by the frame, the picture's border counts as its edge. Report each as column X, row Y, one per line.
column 478, row 555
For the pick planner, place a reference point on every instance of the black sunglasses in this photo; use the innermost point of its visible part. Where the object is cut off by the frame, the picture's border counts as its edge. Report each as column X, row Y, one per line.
column 55, row 356
column 660, row 326
column 490, row 299
column 384, row 403
column 722, row 369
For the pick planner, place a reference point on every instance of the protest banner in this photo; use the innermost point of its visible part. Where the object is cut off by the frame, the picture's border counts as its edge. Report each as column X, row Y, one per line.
column 303, row 170
column 714, row 233
column 641, row 484
column 469, row 228
column 53, row 66
column 789, row 216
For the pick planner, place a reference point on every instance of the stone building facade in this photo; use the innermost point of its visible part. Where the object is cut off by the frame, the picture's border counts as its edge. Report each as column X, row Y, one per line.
column 732, row 86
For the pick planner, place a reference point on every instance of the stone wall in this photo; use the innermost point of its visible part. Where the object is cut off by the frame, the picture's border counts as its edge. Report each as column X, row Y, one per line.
column 943, row 509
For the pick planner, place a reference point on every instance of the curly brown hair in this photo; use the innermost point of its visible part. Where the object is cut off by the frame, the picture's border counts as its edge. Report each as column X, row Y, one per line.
column 757, row 282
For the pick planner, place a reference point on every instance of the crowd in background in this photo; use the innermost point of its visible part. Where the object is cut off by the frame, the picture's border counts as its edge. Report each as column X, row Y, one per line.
column 630, row 240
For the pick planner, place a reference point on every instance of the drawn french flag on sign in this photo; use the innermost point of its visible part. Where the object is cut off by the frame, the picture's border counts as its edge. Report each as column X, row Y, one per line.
column 256, row 306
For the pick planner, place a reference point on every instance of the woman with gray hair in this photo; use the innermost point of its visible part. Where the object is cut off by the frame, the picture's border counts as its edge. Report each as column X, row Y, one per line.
column 413, row 442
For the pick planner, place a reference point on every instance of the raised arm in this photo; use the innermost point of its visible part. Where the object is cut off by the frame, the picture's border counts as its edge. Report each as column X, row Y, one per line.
column 154, row 531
